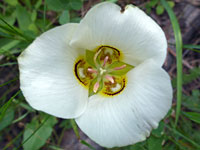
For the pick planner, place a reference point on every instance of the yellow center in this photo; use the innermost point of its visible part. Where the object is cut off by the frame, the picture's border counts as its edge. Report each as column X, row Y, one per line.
column 104, row 56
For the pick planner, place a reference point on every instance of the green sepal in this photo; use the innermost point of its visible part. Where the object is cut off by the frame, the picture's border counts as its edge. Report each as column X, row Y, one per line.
column 90, row 58
column 91, row 86
column 121, row 71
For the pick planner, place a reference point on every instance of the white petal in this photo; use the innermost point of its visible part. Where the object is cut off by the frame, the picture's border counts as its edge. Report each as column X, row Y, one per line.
column 47, row 74
column 129, row 117
column 131, row 31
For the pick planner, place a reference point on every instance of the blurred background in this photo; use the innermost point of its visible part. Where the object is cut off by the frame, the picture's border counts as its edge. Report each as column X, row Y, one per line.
column 21, row 127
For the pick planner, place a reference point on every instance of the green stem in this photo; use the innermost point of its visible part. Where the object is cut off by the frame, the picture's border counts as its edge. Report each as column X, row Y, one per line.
column 178, row 38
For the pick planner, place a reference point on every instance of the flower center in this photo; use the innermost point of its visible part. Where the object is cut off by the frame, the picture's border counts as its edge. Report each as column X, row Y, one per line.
column 101, row 71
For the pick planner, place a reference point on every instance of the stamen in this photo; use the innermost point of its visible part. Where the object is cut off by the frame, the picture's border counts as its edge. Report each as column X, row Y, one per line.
column 119, row 68
column 110, row 78
column 92, row 70
column 96, row 87
column 96, row 55
column 105, row 61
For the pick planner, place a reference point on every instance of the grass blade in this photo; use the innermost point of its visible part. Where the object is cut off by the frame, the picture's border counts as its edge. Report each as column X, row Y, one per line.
column 195, row 48
column 75, row 128
column 8, row 64
column 183, row 136
column 87, row 144
column 190, row 46
column 4, row 108
column 12, row 29
column 8, row 82
column 179, row 45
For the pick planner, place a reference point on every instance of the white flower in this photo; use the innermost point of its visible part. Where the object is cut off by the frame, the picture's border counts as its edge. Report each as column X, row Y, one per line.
column 59, row 67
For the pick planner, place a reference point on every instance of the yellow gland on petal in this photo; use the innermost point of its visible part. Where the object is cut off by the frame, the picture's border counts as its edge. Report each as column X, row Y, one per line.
column 102, row 71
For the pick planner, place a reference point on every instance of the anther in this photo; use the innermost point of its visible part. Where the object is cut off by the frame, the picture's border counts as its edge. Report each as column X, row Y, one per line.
column 110, row 78
column 90, row 70
column 121, row 67
column 96, row 87
column 105, row 61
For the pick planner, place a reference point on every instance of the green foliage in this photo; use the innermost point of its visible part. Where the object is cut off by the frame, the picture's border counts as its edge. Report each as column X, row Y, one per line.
column 23, row 17
column 194, row 116
column 156, row 139
column 179, row 46
column 12, row 2
column 7, row 119
column 159, row 10
column 41, row 135
column 158, row 6
column 64, row 17
column 188, row 77
column 192, row 102
column 55, row 5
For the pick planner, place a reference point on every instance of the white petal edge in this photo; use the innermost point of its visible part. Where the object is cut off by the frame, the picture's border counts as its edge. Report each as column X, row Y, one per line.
column 129, row 117
column 133, row 32
column 47, row 77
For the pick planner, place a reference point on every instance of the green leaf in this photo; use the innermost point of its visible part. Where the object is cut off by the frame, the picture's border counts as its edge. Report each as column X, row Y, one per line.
column 38, row 4
column 7, row 119
column 34, row 15
column 91, row 86
column 121, row 71
column 159, row 131
column 23, row 17
column 192, row 101
column 54, row 5
column 159, row 10
column 153, row 3
column 12, row 2
column 194, row 116
column 76, row 4
column 38, row 139
column 10, row 19
column 154, row 143
column 64, row 17
column 65, row 4
column 90, row 58
column 179, row 45
column 113, row 1
column 171, row 3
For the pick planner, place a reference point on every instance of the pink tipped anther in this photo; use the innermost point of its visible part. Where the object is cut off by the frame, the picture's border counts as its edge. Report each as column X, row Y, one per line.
column 119, row 68
column 92, row 70
column 109, row 78
column 105, row 61
column 96, row 87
